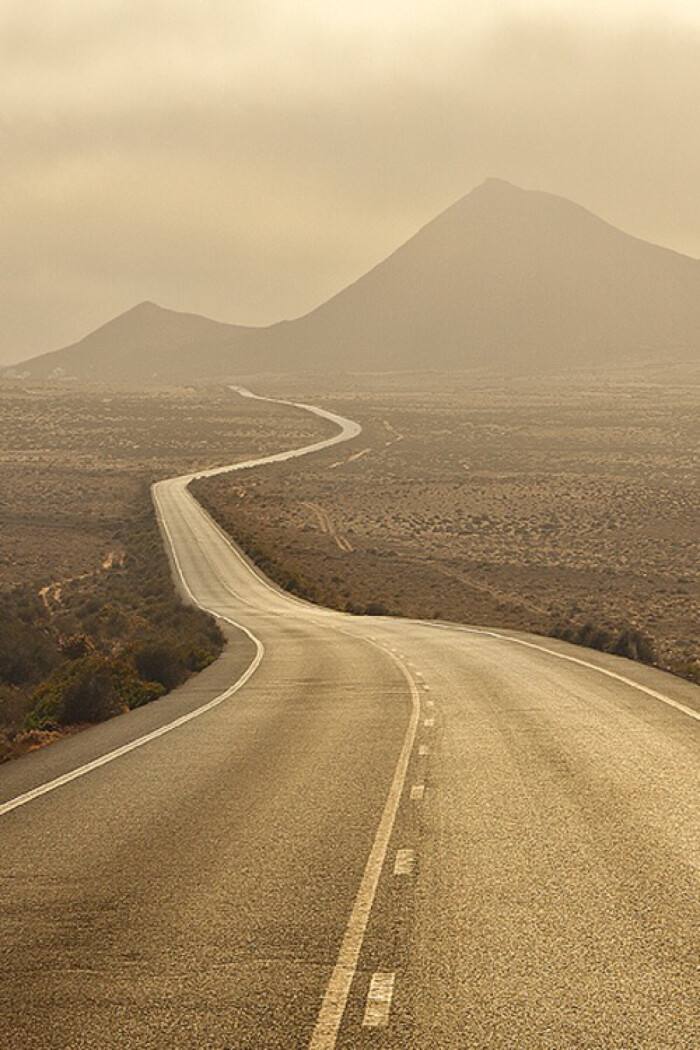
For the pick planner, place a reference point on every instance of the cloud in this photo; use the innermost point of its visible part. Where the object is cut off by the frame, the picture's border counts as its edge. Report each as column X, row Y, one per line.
column 248, row 159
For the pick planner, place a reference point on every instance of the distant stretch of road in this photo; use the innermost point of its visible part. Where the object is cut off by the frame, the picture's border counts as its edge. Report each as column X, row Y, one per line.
column 357, row 832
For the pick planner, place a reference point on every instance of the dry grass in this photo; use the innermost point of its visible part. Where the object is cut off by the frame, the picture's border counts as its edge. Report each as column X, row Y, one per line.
column 506, row 504
column 74, row 461
column 89, row 622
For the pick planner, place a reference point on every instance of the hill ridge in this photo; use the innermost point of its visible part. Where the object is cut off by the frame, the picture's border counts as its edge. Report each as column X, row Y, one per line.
column 504, row 277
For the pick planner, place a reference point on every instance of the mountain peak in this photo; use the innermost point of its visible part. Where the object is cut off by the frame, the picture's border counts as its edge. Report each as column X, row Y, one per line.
column 505, row 278
column 498, row 190
column 493, row 194
column 493, row 184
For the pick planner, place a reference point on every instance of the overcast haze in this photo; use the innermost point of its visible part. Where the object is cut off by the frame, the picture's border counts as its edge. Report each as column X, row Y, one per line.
column 246, row 160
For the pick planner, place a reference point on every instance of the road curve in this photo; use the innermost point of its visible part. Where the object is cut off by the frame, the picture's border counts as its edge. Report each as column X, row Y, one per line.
column 356, row 831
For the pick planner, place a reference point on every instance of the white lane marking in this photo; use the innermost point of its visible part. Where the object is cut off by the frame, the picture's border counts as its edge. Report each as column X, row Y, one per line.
column 570, row 659
column 330, row 1015
column 423, row 750
column 417, row 792
column 459, row 627
column 348, row 429
column 405, row 862
column 379, row 996
column 110, row 756
column 81, row 771
column 455, row 627
column 433, row 624
column 428, row 722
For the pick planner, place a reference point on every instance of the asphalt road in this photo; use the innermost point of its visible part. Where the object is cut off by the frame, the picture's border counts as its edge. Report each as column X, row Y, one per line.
column 358, row 832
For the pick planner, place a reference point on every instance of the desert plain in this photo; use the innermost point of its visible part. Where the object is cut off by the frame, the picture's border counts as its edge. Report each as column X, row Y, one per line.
column 531, row 503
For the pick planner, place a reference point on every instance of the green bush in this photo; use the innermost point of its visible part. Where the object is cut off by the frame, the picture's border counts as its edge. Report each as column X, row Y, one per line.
column 160, row 661
column 89, row 689
column 634, row 645
column 135, row 692
column 79, row 691
column 27, row 651
column 6, row 748
column 628, row 641
column 14, row 705
column 117, row 640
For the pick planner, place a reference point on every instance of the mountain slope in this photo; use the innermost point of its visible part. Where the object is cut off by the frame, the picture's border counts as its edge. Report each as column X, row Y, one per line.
column 505, row 278
column 509, row 278
column 147, row 342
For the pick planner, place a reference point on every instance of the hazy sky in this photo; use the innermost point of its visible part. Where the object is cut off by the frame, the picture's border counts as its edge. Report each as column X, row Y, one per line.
column 247, row 159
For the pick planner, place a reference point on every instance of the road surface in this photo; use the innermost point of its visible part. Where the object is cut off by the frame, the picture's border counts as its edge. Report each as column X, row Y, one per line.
column 358, row 832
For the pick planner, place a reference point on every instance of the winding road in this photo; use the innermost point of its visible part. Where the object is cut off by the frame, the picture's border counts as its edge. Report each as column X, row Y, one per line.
column 357, row 832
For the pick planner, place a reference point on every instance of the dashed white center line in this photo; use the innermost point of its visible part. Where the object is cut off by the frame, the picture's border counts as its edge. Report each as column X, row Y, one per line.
column 417, row 792
column 428, row 722
column 379, row 996
column 423, row 750
column 405, row 862
column 330, row 1015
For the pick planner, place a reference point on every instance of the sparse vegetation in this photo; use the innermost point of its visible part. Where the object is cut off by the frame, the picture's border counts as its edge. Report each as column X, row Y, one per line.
column 628, row 641
column 287, row 574
column 549, row 510
column 119, row 638
column 90, row 624
column 74, row 460
column 555, row 507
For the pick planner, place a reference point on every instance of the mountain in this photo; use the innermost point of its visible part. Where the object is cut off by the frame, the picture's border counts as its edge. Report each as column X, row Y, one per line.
column 147, row 342
column 505, row 278
column 509, row 278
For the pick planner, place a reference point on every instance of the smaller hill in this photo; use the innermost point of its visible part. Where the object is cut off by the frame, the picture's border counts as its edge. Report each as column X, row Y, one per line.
column 147, row 343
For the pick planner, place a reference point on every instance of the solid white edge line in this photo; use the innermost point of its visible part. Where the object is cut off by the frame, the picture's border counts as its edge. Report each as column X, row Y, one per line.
column 433, row 624
column 348, row 430
column 330, row 1015
column 444, row 626
column 570, row 659
column 110, row 756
